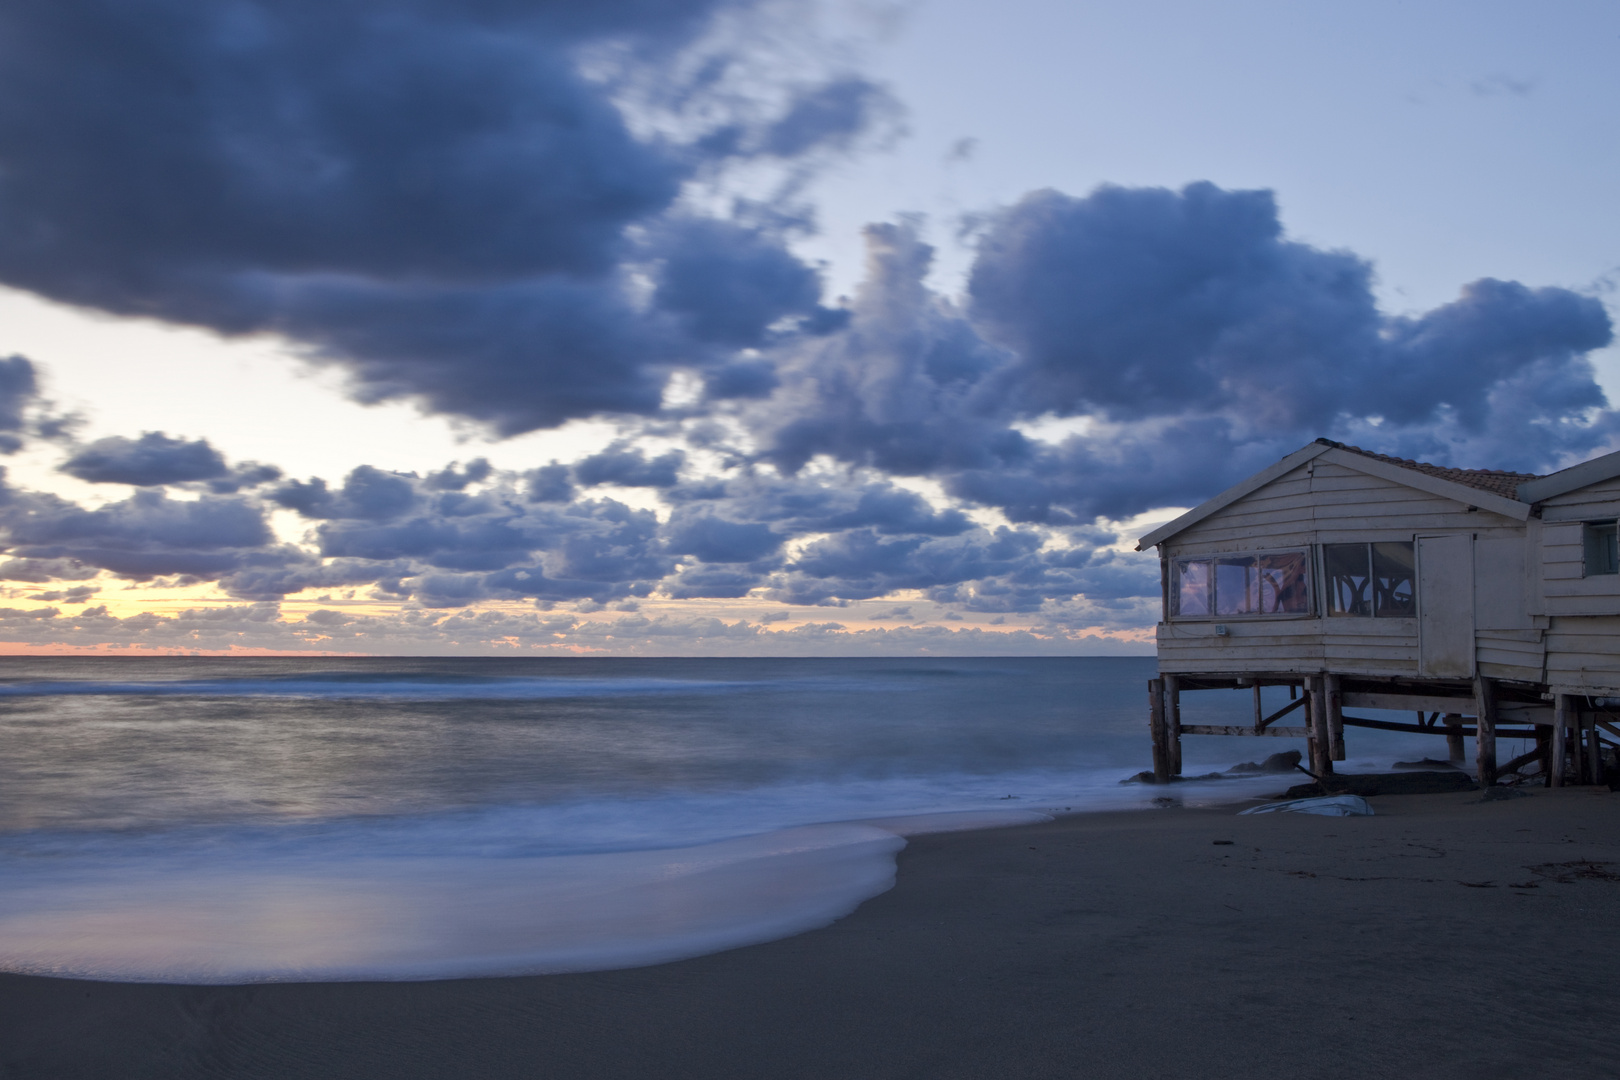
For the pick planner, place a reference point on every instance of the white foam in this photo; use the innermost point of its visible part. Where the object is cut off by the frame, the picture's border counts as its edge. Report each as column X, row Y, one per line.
column 217, row 921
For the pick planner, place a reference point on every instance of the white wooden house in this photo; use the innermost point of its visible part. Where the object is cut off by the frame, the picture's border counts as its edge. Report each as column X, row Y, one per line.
column 1472, row 597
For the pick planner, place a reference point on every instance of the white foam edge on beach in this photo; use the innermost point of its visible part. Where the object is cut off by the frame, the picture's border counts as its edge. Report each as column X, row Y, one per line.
column 443, row 917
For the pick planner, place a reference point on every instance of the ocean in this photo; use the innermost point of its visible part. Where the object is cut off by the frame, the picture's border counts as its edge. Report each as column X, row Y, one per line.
column 207, row 820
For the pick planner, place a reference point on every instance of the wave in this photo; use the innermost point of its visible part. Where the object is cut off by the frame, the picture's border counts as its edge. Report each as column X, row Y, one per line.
column 452, row 916
column 345, row 686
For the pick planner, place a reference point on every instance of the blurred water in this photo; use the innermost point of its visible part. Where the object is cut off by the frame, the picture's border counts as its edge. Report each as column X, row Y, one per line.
column 201, row 819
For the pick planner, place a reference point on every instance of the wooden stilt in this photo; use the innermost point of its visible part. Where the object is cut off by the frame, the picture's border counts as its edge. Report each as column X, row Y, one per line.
column 1172, row 708
column 1455, row 751
column 1594, row 752
column 1321, row 757
column 1335, row 718
column 1555, row 774
column 1577, row 749
column 1485, row 736
column 1156, row 725
column 1544, row 753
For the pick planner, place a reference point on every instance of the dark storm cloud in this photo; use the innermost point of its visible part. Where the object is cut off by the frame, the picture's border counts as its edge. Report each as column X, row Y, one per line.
column 145, row 536
column 550, row 483
column 1151, row 303
column 630, row 468
column 367, row 494
column 430, row 195
column 19, row 389
column 727, row 283
column 905, row 387
column 1198, row 342
column 153, row 459
column 831, row 115
column 716, row 540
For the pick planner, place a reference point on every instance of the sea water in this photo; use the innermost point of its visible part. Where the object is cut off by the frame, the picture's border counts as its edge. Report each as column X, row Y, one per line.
column 235, row 820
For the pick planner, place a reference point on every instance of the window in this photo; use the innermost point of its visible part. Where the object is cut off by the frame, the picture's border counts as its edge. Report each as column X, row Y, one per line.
column 1371, row 580
column 1276, row 583
column 1602, row 550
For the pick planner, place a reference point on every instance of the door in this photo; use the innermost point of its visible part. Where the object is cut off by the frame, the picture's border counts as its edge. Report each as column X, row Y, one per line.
column 1445, row 596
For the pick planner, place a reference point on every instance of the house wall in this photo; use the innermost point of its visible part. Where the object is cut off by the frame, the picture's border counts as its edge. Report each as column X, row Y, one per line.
column 1325, row 502
column 1582, row 613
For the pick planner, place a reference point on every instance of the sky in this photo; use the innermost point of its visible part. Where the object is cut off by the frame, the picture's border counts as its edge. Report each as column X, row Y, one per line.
column 716, row 327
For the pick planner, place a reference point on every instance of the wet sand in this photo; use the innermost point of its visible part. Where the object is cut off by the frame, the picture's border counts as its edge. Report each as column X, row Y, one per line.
column 1445, row 937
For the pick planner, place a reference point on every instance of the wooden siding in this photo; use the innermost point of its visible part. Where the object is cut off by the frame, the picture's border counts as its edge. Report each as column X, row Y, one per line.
column 1520, row 655
column 1559, row 583
column 1600, row 500
column 1323, row 502
column 1348, row 646
column 1583, row 653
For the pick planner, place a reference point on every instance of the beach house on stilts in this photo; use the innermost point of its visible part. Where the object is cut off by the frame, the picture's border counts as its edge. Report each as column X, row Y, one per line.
column 1486, row 603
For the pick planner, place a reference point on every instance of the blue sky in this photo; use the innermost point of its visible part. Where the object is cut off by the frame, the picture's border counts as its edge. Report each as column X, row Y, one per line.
column 757, row 328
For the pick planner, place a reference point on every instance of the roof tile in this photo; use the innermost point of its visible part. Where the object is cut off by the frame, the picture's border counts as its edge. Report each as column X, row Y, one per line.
column 1495, row 481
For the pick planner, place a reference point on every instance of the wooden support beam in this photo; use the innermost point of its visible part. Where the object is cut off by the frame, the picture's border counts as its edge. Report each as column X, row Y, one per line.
column 1407, row 702
column 1259, row 711
column 1455, row 751
column 1335, row 717
column 1520, row 762
column 1594, row 752
column 1156, row 726
column 1297, row 703
column 1561, row 711
column 1577, row 752
column 1485, row 737
column 1172, row 717
column 1321, row 756
column 1245, row 729
column 1419, row 729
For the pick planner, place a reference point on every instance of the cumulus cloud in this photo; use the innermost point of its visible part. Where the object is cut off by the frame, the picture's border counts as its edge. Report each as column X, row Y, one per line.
column 459, row 205
column 437, row 197
column 1196, row 341
column 152, row 460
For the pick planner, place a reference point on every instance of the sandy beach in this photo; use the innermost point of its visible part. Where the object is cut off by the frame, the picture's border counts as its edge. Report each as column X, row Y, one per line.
column 1445, row 937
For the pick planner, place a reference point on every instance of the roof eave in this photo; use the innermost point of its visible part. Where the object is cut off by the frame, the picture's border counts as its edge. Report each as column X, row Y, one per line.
column 1573, row 478
column 1232, row 495
column 1434, row 485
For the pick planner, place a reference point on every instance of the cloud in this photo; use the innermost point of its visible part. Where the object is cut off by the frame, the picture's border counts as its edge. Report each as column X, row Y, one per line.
column 145, row 536
column 153, row 459
column 830, row 115
column 629, row 468
column 1197, row 342
column 1502, row 83
column 438, row 198
column 19, row 389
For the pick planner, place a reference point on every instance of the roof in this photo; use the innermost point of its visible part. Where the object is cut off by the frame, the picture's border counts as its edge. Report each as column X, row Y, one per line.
column 1488, row 489
column 1573, row 478
column 1495, row 481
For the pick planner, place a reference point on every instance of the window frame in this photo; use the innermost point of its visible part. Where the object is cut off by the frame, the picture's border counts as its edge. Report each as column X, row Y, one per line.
column 1372, row 578
column 1610, row 540
column 1173, row 590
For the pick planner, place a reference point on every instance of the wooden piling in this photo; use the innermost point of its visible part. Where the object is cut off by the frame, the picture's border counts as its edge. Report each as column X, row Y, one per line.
column 1594, row 752
column 1321, row 755
column 1335, row 718
column 1455, row 751
column 1156, row 725
column 1485, row 735
column 1555, row 774
column 1577, row 749
column 1172, row 711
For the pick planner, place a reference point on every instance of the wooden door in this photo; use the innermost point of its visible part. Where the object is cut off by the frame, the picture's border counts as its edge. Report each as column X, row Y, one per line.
column 1445, row 596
